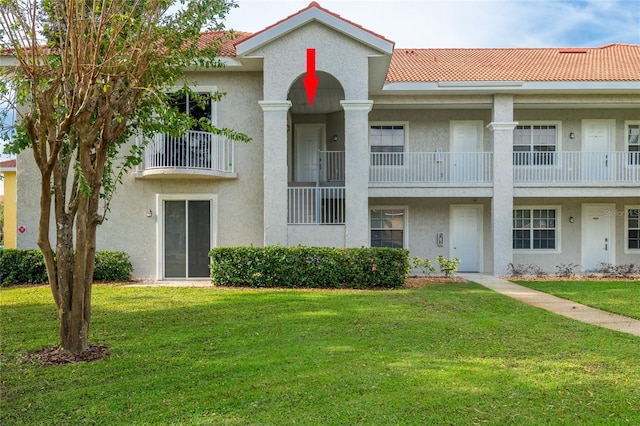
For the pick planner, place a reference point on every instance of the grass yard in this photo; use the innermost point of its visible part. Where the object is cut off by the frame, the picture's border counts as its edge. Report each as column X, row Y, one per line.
column 442, row 354
column 619, row 297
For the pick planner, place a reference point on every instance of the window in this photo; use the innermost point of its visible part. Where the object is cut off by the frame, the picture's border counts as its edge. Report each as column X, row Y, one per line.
column 387, row 145
column 633, row 228
column 633, row 142
column 535, row 229
column 195, row 148
column 195, row 109
column 535, row 144
column 387, row 228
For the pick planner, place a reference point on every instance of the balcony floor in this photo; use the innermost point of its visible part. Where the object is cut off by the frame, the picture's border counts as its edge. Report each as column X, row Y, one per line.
column 180, row 173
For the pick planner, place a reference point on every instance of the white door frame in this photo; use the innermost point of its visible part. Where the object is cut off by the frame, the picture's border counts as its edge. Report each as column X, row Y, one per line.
column 611, row 248
column 160, row 199
column 480, row 213
column 321, row 145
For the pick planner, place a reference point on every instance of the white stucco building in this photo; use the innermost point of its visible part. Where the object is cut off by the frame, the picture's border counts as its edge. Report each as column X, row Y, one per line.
column 489, row 155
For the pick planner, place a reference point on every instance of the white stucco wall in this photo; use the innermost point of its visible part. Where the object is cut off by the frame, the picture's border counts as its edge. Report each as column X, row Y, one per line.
column 426, row 217
column 344, row 58
column 239, row 201
column 571, row 233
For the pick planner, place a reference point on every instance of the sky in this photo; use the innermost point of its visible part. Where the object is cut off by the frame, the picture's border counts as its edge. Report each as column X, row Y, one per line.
column 458, row 23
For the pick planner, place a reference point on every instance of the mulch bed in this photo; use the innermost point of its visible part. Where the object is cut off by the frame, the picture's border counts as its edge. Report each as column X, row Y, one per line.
column 55, row 355
column 571, row 278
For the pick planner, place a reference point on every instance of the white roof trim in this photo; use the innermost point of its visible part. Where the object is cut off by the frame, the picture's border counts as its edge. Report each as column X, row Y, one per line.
column 309, row 15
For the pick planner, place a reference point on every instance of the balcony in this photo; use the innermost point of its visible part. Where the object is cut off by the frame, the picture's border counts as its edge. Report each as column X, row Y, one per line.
column 568, row 168
column 195, row 154
column 431, row 168
column 316, row 206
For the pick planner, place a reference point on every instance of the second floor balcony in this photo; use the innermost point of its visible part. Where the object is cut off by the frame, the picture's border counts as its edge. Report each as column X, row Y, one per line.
column 194, row 154
column 576, row 168
column 465, row 169
column 431, row 168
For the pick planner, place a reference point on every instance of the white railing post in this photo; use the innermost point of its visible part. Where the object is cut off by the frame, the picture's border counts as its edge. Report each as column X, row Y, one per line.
column 305, row 205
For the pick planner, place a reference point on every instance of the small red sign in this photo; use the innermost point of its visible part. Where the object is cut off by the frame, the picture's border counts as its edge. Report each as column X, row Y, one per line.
column 22, row 229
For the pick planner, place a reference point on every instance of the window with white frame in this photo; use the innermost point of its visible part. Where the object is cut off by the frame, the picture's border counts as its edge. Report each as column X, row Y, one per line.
column 535, row 228
column 387, row 144
column 535, row 144
column 632, row 132
column 387, row 227
column 633, row 228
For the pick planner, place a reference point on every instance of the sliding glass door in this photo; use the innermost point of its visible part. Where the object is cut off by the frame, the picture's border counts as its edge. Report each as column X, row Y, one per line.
column 187, row 238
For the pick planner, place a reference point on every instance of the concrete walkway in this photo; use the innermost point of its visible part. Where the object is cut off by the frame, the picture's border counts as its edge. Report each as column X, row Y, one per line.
column 557, row 305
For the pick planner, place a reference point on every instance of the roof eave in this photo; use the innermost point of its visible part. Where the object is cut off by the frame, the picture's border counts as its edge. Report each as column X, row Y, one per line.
column 513, row 87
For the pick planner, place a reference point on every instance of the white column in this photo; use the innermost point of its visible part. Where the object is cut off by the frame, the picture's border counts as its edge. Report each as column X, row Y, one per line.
column 356, row 124
column 275, row 171
column 502, row 202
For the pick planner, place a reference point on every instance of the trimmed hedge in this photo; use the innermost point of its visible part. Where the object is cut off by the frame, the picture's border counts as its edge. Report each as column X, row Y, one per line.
column 27, row 267
column 22, row 266
column 112, row 266
column 309, row 267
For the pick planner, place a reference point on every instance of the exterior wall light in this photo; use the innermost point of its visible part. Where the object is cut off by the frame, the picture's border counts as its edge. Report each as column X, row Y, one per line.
column 571, row 219
column 335, row 138
column 572, row 135
column 148, row 213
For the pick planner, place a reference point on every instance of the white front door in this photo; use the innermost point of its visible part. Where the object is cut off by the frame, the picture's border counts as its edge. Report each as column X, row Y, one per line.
column 466, row 140
column 597, row 141
column 598, row 230
column 466, row 237
column 307, row 144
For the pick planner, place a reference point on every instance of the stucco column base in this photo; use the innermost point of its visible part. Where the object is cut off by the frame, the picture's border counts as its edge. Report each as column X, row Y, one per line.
column 275, row 171
column 356, row 124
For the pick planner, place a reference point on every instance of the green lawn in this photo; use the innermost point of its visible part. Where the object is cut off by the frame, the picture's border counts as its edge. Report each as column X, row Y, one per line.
column 443, row 354
column 620, row 297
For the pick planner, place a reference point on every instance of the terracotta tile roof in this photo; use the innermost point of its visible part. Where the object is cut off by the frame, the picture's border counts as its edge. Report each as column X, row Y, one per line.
column 228, row 41
column 614, row 62
column 7, row 164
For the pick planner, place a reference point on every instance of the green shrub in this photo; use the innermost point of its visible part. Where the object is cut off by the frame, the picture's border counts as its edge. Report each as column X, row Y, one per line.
column 424, row 265
column 27, row 267
column 112, row 266
column 309, row 267
column 22, row 266
column 448, row 267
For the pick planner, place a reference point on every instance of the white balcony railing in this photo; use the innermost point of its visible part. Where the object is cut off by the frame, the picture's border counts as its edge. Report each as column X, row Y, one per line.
column 316, row 206
column 194, row 150
column 581, row 168
column 332, row 166
column 431, row 167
